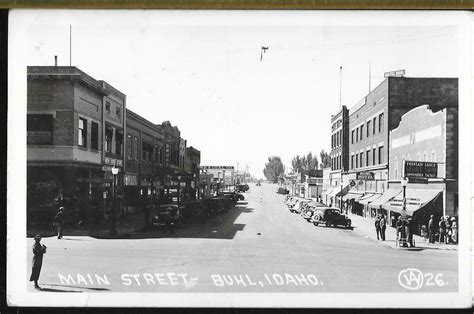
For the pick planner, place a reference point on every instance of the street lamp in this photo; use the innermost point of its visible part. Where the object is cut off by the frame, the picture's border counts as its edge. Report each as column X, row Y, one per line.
column 403, row 230
column 113, row 229
column 341, row 195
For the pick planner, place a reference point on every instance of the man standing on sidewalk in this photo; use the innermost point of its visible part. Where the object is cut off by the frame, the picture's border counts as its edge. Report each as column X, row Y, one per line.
column 377, row 227
column 431, row 230
column 383, row 226
column 59, row 221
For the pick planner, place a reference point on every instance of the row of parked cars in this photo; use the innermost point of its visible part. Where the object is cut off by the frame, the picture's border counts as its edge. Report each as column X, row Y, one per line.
column 317, row 213
column 172, row 215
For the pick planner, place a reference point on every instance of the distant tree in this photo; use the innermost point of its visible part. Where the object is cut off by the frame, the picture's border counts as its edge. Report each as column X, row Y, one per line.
column 325, row 159
column 274, row 169
column 308, row 162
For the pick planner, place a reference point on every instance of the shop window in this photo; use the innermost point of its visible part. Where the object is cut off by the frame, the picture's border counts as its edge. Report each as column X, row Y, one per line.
column 129, row 146
column 82, row 132
column 109, row 133
column 381, row 122
column 39, row 129
column 107, row 107
column 361, row 131
column 374, row 123
column 380, row 154
column 368, row 128
column 94, row 135
column 118, row 142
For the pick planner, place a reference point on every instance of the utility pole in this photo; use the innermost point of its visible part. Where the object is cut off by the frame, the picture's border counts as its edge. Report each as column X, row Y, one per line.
column 70, row 45
column 340, row 87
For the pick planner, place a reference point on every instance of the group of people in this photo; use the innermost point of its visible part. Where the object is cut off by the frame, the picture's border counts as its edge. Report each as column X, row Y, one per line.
column 380, row 226
column 445, row 231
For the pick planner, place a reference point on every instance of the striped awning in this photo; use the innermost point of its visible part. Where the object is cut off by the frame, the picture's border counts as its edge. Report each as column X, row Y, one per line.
column 388, row 195
column 351, row 196
column 368, row 198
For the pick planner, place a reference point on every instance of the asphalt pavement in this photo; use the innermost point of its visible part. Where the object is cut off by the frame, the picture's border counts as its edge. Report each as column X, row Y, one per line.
column 257, row 247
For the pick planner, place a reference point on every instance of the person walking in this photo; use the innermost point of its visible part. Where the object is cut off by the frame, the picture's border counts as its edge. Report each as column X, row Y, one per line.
column 454, row 231
column 38, row 251
column 442, row 230
column 410, row 231
column 431, row 229
column 448, row 230
column 377, row 227
column 58, row 222
column 383, row 226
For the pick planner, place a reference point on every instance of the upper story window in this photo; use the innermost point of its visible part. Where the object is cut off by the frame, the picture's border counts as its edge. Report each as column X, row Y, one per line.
column 352, row 137
column 374, row 123
column 361, row 159
column 107, row 106
column 118, row 111
column 381, row 155
column 109, row 134
column 368, row 128
column 367, row 158
column 94, row 135
column 118, row 142
column 39, row 129
column 82, row 132
column 373, row 157
column 352, row 162
column 357, row 160
column 381, row 122
column 357, row 134
column 129, row 147
column 433, row 156
column 361, row 131
column 135, row 148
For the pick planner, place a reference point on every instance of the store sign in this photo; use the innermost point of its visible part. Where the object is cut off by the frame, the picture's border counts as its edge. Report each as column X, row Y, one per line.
column 421, row 169
column 167, row 154
column 315, row 181
column 216, row 167
column 409, row 201
column 113, row 161
column 130, row 179
column 365, row 175
column 353, row 183
column 398, row 73
column 418, row 180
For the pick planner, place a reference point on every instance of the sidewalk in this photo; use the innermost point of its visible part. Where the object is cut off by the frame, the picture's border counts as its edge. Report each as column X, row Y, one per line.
column 365, row 227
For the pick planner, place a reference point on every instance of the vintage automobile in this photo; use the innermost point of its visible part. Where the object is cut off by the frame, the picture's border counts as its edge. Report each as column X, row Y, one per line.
column 282, row 191
column 310, row 208
column 330, row 216
column 242, row 187
column 167, row 216
column 298, row 207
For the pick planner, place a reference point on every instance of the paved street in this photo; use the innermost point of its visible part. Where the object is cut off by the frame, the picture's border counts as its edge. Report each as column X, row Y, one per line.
column 257, row 247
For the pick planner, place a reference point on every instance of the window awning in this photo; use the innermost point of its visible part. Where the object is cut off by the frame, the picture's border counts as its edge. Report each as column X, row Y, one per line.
column 388, row 195
column 415, row 199
column 368, row 198
column 351, row 196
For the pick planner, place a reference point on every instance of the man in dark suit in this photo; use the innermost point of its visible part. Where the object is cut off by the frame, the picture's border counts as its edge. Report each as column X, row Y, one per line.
column 431, row 230
column 38, row 251
column 59, row 221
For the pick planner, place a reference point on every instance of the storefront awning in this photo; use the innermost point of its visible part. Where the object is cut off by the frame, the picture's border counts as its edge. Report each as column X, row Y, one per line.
column 415, row 199
column 351, row 196
column 328, row 191
column 388, row 195
column 368, row 198
column 345, row 189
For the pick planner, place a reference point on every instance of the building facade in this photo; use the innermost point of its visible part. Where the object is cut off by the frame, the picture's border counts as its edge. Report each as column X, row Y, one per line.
column 370, row 124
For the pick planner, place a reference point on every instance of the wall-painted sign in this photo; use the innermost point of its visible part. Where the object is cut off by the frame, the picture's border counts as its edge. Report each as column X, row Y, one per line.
column 315, row 181
column 421, row 169
column 367, row 175
column 216, row 167
column 398, row 73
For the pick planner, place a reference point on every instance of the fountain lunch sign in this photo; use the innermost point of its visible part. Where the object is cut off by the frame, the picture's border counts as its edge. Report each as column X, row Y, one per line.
column 421, row 169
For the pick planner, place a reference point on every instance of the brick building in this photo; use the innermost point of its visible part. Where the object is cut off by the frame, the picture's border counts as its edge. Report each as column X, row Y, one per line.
column 339, row 153
column 425, row 136
column 370, row 123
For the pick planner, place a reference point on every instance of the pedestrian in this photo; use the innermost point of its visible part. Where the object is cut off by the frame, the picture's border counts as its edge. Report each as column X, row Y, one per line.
column 377, row 227
column 454, row 230
column 58, row 222
column 448, row 230
column 38, row 251
column 431, row 229
column 442, row 230
column 410, row 231
column 383, row 226
column 59, row 199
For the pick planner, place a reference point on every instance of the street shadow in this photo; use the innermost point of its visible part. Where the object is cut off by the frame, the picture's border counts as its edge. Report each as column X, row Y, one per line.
column 79, row 287
column 58, row 290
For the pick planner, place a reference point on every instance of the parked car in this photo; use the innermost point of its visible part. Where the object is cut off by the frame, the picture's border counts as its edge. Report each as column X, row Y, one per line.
column 167, row 216
column 330, row 216
column 299, row 205
column 242, row 187
column 310, row 209
column 283, row 191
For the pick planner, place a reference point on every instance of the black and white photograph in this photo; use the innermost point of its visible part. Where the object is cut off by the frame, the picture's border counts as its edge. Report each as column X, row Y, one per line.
column 239, row 158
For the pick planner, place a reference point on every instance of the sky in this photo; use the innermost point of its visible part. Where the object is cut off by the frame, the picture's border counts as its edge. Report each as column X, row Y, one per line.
column 202, row 70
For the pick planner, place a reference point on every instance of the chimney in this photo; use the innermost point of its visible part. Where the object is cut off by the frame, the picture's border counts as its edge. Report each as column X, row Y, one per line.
column 55, row 61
